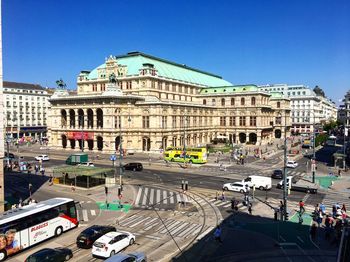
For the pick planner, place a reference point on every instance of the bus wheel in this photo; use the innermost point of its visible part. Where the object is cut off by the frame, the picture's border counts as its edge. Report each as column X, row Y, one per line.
column 58, row 231
column 172, row 160
column 3, row 255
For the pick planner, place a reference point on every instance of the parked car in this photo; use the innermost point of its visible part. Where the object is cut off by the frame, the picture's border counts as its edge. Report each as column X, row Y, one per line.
column 121, row 257
column 291, row 164
column 236, row 186
column 87, row 164
column 42, row 158
column 51, row 254
column 111, row 243
column 277, row 174
column 87, row 237
column 133, row 166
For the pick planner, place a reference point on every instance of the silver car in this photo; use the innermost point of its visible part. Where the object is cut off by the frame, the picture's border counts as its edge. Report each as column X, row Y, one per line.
column 131, row 257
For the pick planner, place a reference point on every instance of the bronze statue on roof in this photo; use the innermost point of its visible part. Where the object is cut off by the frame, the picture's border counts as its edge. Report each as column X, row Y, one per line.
column 61, row 84
column 112, row 79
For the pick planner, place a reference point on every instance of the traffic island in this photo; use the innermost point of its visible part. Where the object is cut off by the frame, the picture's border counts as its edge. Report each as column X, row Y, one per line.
column 82, row 176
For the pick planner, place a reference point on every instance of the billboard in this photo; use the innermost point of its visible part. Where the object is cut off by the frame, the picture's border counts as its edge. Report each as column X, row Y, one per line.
column 78, row 135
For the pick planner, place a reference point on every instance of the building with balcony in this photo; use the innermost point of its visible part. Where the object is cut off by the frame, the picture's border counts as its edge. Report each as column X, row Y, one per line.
column 308, row 109
column 26, row 107
column 154, row 103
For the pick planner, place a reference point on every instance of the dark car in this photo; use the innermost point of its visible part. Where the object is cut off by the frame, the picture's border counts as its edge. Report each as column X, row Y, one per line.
column 278, row 174
column 10, row 156
column 87, row 237
column 133, row 166
column 51, row 254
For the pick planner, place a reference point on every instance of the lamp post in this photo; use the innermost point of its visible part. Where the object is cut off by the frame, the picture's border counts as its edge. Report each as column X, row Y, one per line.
column 313, row 164
column 82, row 132
column 120, row 154
column 285, row 192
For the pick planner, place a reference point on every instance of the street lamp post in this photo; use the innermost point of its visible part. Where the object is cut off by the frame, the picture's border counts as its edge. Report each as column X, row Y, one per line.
column 313, row 164
column 285, row 192
column 82, row 132
column 120, row 154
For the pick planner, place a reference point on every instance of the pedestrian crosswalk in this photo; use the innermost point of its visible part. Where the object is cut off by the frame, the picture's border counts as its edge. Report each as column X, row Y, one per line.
column 225, row 204
column 157, row 198
column 332, row 198
column 86, row 211
column 167, row 226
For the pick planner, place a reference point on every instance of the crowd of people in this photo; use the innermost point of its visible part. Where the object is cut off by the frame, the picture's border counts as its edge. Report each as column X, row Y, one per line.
column 332, row 221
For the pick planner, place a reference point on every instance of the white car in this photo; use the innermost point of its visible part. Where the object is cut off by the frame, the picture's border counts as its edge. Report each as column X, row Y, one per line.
column 87, row 164
column 291, row 164
column 112, row 243
column 236, row 186
column 42, row 158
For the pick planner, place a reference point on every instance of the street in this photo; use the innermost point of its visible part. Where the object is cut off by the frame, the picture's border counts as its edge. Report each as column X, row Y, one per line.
column 164, row 219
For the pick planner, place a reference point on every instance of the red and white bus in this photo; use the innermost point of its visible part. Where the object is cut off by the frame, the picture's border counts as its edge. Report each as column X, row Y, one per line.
column 23, row 227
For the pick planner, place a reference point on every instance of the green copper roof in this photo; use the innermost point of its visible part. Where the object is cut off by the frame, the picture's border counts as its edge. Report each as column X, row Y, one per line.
column 135, row 60
column 229, row 89
column 276, row 95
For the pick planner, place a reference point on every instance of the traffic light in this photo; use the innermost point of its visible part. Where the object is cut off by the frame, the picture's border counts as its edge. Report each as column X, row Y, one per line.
column 119, row 191
column 186, row 185
column 106, row 190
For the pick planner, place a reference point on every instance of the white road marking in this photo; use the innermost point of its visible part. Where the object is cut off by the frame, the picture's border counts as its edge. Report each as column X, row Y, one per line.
column 145, row 197
column 158, row 197
column 165, row 197
column 93, row 212
column 138, row 197
column 151, row 197
column 179, row 228
column 205, row 232
column 85, row 215
column 171, row 197
column 140, row 221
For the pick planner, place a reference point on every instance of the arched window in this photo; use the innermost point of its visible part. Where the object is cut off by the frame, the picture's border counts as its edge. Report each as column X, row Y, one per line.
column 213, row 101
column 242, row 101
column 278, row 104
column 232, row 101
column 223, row 101
column 204, row 101
column 253, row 101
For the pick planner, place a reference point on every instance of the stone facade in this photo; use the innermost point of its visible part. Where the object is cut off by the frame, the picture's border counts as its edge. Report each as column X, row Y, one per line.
column 159, row 104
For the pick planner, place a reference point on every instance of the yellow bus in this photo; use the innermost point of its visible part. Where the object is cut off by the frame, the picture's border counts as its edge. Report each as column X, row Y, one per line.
column 195, row 155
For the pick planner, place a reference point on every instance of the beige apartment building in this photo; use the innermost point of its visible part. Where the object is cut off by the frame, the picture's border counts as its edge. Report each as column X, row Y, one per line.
column 153, row 103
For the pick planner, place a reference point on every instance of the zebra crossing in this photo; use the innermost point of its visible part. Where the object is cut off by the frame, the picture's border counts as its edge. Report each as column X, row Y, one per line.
column 153, row 225
column 332, row 198
column 159, row 199
column 84, row 213
column 295, row 173
column 225, row 204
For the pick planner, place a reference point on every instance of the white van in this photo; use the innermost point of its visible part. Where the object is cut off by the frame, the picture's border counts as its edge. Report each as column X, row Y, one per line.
column 261, row 182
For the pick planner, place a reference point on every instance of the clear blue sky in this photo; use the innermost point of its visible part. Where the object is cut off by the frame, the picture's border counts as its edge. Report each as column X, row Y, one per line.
column 259, row 42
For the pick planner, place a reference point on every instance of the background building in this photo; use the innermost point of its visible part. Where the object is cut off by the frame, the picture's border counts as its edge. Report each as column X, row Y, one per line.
column 344, row 112
column 308, row 107
column 155, row 103
column 26, row 109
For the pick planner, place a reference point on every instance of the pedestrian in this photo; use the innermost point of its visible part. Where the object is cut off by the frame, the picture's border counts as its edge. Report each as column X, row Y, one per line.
column 323, row 208
column 217, row 195
column 223, row 197
column 301, row 207
column 217, row 234
column 36, row 169
column 72, row 187
column 313, row 231
column 319, row 218
column 343, row 208
column 339, row 172
column 51, row 180
column 30, row 187
column 250, row 208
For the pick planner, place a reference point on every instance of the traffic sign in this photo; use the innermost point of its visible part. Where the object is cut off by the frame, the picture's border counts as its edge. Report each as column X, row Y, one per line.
column 113, row 158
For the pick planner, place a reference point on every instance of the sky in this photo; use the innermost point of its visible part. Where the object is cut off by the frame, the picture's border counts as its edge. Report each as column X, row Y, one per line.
column 246, row 42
